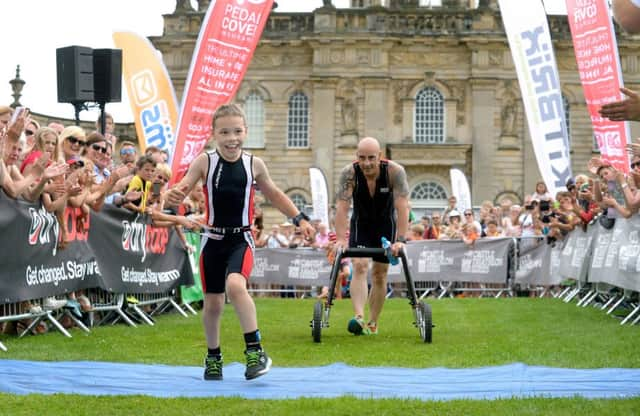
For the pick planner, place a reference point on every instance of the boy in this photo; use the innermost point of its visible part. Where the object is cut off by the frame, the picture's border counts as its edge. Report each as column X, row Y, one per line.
column 228, row 174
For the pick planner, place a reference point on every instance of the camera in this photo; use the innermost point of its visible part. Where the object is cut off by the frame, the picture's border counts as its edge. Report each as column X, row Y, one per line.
column 155, row 188
column 544, row 206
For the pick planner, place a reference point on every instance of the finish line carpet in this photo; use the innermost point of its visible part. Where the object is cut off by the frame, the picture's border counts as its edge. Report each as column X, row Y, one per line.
column 508, row 381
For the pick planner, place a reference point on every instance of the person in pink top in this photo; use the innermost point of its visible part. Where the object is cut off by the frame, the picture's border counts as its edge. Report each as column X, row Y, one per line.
column 322, row 236
column 46, row 141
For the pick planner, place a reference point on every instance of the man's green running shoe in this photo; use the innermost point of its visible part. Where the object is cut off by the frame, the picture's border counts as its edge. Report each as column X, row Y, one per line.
column 213, row 368
column 258, row 364
column 356, row 325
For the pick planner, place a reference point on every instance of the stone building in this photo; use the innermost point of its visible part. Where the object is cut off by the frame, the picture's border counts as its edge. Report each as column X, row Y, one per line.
column 436, row 85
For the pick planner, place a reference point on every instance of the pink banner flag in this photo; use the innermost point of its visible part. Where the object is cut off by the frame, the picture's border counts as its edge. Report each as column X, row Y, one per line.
column 229, row 35
column 596, row 52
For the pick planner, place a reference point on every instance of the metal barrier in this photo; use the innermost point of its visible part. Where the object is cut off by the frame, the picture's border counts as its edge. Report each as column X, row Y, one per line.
column 32, row 312
column 157, row 302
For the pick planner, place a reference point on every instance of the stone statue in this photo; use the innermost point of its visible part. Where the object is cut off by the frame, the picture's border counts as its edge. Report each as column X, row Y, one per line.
column 327, row 3
column 349, row 115
column 509, row 117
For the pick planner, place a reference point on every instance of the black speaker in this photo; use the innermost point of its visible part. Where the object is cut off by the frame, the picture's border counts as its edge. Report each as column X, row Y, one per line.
column 75, row 74
column 107, row 75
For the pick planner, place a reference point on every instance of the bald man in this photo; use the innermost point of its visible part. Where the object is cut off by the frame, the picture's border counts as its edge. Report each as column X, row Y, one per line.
column 379, row 192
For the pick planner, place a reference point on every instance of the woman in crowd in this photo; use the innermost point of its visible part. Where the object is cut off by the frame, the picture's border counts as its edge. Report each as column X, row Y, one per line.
column 542, row 193
column 72, row 141
column 511, row 226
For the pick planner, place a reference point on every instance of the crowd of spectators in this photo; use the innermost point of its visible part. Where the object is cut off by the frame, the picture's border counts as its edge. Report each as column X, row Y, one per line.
column 73, row 172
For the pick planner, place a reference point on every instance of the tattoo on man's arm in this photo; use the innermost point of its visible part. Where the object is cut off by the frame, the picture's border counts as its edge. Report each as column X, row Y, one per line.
column 400, row 184
column 345, row 185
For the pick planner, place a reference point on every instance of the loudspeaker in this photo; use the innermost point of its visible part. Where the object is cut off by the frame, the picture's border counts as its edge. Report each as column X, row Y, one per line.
column 107, row 75
column 75, row 74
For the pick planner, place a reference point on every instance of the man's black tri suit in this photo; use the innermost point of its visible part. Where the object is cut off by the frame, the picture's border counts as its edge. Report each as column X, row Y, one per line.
column 374, row 216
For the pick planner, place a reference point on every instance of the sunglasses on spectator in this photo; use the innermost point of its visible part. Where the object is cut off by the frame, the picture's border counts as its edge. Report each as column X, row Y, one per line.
column 468, row 213
column 127, row 151
column 29, row 133
column 74, row 140
column 163, row 179
column 99, row 149
column 635, row 165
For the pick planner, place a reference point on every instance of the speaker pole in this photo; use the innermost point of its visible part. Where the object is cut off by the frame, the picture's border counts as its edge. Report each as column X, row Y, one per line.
column 103, row 122
column 78, row 105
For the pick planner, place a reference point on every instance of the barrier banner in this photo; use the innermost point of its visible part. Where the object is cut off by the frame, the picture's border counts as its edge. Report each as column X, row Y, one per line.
column 596, row 49
column 616, row 255
column 32, row 265
column 525, row 23
column 151, row 94
column 228, row 37
column 534, row 262
column 113, row 250
column 486, row 261
column 301, row 267
column 136, row 257
column 575, row 255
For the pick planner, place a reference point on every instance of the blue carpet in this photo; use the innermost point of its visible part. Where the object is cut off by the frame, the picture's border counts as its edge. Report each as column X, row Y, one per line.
column 514, row 380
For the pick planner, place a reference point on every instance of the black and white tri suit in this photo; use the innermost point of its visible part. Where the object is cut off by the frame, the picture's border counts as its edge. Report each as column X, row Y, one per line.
column 228, row 245
column 372, row 217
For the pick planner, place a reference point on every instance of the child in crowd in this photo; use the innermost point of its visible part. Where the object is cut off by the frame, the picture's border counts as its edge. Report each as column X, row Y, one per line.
column 142, row 182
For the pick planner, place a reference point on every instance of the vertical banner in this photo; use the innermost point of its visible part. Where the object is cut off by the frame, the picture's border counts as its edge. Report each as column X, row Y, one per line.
column 228, row 37
column 596, row 49
column 460, row 189
column 320, row 195
column 190, row 294
column 527, row 30
column 151, row 94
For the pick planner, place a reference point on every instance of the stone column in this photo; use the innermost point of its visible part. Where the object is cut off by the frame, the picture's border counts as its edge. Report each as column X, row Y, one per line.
column 324, row 127
column 483, row 102
column 377, row 110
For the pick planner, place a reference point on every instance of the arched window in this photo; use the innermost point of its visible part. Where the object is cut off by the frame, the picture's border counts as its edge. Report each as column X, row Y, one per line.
column 254, row 110
column 428, row 191
column 567, row 118
column 426, row 196
column 429, row 116
column 299, row 201
column 298, row 121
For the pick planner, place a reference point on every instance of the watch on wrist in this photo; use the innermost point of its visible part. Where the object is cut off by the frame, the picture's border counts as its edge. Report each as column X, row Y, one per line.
column 401, row 239
column 301, row 216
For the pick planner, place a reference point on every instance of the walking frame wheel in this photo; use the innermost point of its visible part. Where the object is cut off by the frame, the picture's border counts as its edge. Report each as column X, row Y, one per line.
column 424, row 321
column 316, row 322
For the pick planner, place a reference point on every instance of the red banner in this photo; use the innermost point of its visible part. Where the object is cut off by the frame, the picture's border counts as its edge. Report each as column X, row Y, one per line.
column 230, row 32
column 596, row 52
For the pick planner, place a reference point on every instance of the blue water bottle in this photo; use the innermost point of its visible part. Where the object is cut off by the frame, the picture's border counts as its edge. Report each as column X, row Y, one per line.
column 386, row 245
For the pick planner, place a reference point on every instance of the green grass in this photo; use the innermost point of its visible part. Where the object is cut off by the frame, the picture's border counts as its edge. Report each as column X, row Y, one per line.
column 468, row 333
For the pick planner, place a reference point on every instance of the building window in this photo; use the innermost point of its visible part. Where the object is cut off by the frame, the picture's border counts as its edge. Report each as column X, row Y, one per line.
column 254, row 110
column 299, row 201
column 298, row 121
column 567, row 118
column 427, row 197
column 429, row 191
column 429, row 116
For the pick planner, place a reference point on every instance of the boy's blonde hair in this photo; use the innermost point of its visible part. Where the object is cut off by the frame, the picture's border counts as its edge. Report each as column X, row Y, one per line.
column 229, row 110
